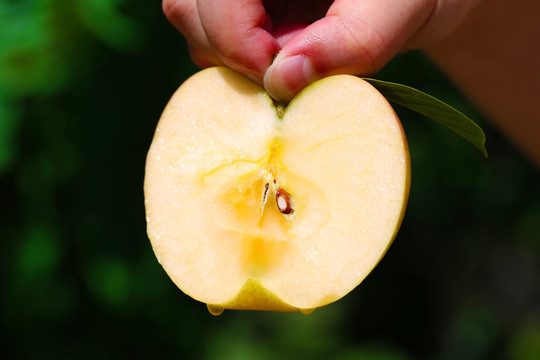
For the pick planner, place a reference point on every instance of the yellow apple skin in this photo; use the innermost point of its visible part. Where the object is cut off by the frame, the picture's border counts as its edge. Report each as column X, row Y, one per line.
column 221, row 158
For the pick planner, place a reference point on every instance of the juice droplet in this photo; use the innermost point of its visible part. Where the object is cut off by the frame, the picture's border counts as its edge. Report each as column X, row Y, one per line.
column 307, row 311
column 215, row 310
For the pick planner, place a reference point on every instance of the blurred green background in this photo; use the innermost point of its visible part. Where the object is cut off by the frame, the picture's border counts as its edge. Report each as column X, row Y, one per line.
column 82, row 85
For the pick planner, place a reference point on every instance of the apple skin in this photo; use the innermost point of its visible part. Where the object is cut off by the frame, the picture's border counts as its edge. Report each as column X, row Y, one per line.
column 357, row 158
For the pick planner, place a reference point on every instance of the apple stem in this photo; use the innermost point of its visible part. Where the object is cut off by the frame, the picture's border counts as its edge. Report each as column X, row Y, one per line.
column 280, row 108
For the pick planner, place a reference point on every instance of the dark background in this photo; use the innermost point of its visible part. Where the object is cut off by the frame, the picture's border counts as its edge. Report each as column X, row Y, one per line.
column 82, row 86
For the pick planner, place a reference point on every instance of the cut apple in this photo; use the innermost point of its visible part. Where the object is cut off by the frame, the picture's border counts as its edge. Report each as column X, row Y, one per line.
column 253, row 206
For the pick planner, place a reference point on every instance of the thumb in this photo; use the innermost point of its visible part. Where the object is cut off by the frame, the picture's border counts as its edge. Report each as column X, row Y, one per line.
column 355, row 37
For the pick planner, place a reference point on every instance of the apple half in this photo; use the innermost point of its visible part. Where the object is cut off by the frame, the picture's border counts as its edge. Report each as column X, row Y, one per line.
column 251, row 205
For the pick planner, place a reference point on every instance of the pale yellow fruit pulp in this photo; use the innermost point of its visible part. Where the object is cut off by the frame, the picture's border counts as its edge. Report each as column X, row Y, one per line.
column 220, row 154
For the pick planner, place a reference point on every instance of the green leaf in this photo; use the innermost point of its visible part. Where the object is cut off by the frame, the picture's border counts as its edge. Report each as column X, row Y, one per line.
column 434, row 109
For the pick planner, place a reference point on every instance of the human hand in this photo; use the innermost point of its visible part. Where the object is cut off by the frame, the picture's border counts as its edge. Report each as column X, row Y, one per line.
column 312, row 39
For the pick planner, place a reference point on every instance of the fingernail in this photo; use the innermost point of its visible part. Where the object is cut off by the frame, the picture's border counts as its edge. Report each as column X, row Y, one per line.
column 286, row 78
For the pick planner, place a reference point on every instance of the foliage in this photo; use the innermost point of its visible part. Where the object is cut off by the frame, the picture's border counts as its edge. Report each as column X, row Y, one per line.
column 434, row 109
column 82, row 85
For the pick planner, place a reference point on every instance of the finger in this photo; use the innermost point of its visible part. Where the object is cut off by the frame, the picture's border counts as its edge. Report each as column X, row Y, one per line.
column 355, row 37
column 184, row 16
column 236, row 31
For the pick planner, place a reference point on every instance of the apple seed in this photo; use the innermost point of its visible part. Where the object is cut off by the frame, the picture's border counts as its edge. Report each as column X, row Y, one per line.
column 283, row 201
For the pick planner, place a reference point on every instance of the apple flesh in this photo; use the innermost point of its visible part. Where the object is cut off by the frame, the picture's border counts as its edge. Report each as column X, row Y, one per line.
column 253, row 206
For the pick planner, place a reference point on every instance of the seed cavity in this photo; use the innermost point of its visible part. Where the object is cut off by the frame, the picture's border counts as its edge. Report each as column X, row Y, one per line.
column 265, row 192
column 283, row 201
